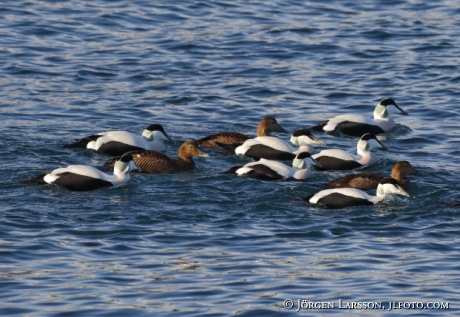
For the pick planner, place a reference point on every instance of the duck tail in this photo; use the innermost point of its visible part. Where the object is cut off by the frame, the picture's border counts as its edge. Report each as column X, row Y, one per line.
column 82, row 143
column 232, row 170
column 307, row 198
column 39, row 179
column 319, row 127
column 229, row 147
column 111, row 163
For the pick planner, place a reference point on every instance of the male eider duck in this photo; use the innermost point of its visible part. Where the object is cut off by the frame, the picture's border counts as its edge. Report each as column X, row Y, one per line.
column 266, row 126
column 119, row 142
column 368, row 181
column 303, row 137
column 156, row 163
column 347, row 197
column 273, row 148
column 357, row 125
column 85, row 178
column 335, row 159
column 274, row 170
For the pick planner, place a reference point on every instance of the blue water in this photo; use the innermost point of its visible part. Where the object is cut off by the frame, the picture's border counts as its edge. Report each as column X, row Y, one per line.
column 201, row 243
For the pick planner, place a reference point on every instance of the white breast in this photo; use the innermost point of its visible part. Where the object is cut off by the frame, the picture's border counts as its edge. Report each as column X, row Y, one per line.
column 368, row 159
column 386, row 124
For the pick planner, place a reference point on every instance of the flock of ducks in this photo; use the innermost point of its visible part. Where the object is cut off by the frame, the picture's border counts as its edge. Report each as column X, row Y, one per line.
column 142, row 153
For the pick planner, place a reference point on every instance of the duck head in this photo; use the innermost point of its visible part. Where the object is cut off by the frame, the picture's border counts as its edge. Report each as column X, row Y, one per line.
column 269, row 125
column 403, row 168
column 124, row 165
column 369, row 141
column 303, row 160
column 381, row 110
column 189, row 149
column 155, row 132
column 389, row 185
column 304, row 137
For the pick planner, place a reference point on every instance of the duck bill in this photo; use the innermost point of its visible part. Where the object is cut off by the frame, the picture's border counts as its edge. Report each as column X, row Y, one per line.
column 204, row 155
column 383, row 147
column 402, row 111
column 308, row 136
column 167, row 136
column 133, row 166
column 402, row 191
column 316, row 163
column 279, row 129
column 317, row 141
column 413, row 171
column 309, row 161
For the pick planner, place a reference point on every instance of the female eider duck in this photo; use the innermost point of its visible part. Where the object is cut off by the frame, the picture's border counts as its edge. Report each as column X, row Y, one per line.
column 274, row 170
column 335, row 159
column 347, row 197
column 357, row 125
column 152, row 162
column 266, row 126
column 273, row 148
column 119, row 142
column 368, row 181
column 85, row 178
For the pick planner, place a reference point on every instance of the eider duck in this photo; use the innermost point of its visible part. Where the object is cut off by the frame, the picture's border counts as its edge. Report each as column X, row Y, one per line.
column 368, row 181
column 120, row 142
column 85, row 178
column 274, row 170
column 357, row 125
column 347, row 197
column 335, row 159
column 270, row 149
column 156, row 163
column 273, row 148
column 266, row 126
column 303, row 137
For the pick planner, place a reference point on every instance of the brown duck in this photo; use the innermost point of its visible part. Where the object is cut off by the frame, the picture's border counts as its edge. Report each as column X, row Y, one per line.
column 265, row 127
column 368, row 181
column 156, row 163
